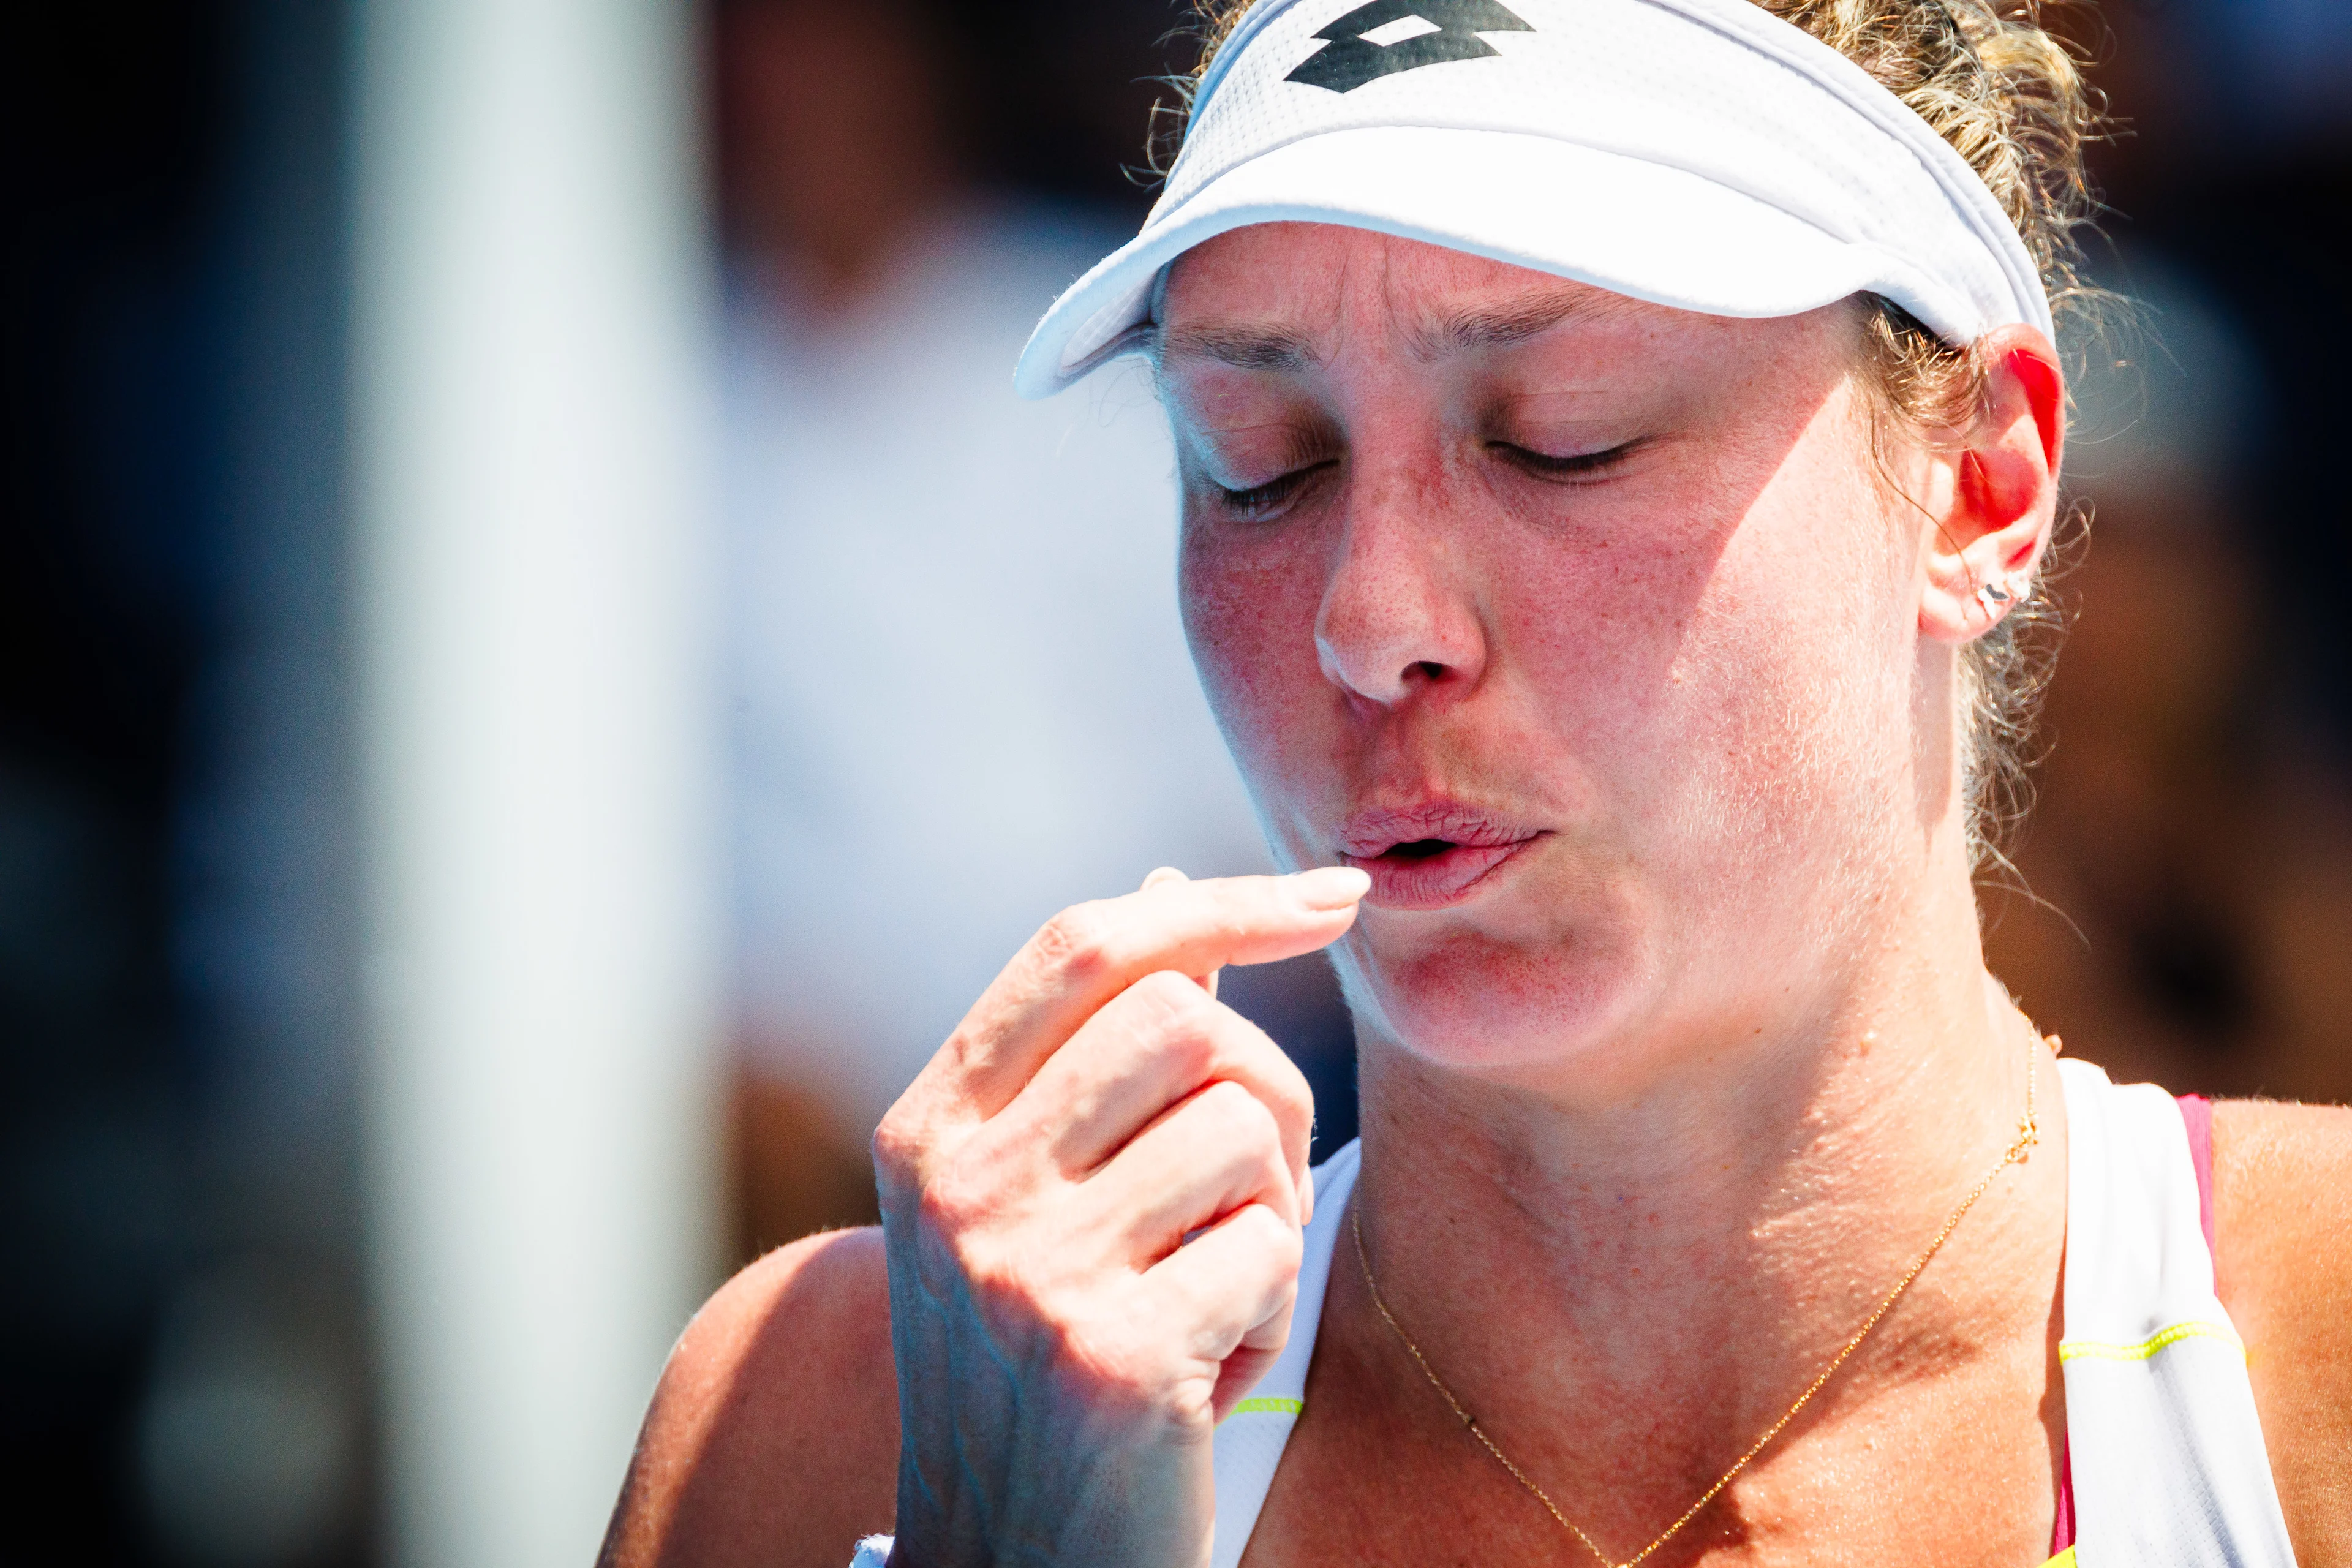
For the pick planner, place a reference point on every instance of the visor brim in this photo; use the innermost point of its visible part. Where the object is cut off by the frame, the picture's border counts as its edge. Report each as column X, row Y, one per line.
column 1622, row 223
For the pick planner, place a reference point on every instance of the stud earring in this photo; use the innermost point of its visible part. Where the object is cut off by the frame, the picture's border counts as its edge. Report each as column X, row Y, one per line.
column 1992, row 596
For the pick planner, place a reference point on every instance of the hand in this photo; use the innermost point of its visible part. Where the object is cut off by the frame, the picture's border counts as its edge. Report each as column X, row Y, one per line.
column 1063, row 1351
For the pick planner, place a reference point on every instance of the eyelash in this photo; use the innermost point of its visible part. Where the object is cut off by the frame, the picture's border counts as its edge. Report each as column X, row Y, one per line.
column 1544, row 466
column 1256, row 501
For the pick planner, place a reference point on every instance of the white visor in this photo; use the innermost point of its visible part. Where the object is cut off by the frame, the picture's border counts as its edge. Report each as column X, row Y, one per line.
column 1698, row 154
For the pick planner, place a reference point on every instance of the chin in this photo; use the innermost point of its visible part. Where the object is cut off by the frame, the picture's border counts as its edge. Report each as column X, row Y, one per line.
column 1469, row 999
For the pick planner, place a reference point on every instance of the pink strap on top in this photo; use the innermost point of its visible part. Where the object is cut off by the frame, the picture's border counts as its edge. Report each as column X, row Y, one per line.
column 2062, row 1534
column 2197, row 1114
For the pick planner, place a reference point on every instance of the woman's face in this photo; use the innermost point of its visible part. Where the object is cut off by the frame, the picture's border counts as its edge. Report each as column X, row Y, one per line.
column 1589, row 627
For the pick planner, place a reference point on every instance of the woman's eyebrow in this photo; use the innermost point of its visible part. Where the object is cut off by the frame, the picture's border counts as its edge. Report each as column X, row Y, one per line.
column 1500, row 325
column 1255, row 345
column 1242, row 345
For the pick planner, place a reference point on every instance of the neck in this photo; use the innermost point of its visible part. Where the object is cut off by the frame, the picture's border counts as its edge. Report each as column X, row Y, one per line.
column 1681, row 1256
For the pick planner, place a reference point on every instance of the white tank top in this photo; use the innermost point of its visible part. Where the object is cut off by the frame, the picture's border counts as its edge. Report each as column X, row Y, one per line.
column 2166, row 1452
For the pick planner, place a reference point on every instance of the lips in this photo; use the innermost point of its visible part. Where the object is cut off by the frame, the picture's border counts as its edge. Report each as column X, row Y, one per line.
column 1430, row 856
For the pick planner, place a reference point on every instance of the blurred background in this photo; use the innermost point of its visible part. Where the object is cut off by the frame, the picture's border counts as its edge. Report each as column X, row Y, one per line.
column 526, row 597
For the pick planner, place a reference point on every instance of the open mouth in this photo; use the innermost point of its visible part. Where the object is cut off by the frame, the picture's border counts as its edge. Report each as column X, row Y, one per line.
column 1428, row 857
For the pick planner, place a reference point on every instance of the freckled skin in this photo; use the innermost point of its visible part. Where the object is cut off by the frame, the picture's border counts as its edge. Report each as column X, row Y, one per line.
column 1674, row 668
column 1620, row 1158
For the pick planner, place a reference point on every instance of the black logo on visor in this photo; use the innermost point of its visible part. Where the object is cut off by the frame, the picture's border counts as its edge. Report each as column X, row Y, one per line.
column 1392, row 36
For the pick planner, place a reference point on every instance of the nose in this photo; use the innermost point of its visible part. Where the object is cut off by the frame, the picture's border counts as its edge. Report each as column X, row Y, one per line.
column 1400, row 615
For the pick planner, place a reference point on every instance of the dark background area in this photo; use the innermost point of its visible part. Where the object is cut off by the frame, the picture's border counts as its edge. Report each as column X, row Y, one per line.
column 179, row 1373
column 178, row 1208
column 115, row 139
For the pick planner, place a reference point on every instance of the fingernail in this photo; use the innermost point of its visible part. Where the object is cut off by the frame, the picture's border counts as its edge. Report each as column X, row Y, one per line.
column 1331, row 886
column 1164, row 874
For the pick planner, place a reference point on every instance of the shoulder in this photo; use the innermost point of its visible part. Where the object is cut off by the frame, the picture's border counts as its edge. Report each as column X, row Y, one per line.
column 2282, row 1210
column 773, row 1437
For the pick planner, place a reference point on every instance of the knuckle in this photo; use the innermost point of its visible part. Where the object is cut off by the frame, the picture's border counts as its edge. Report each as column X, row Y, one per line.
column 1078, row 942
column 902, row 1146
column 1194, row 1052
column 935, row 1212
column 1285, row 1086
column 1239, row 1114
column 953, row 1201
column 1283, row 1246
column 1249, row 1102
column 1281, row 1087
column 1296, row 1097
column 1177, row 1015
column 896, row 1146
column 1278, row 1244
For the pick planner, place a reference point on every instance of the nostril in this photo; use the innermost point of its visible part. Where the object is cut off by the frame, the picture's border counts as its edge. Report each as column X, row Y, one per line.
column 1427, row 668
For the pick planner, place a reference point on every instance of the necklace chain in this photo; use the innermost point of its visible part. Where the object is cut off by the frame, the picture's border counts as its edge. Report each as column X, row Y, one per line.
column 2028, row 1133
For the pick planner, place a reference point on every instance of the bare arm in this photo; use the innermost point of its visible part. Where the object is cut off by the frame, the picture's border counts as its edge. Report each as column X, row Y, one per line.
column 774, row 1438
column 2282, row 1220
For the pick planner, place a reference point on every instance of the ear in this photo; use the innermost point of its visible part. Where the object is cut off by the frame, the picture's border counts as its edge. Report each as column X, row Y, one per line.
column 1998, row 498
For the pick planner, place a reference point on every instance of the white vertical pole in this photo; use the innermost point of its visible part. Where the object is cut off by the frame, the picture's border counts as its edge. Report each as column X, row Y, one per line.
column 539, row 751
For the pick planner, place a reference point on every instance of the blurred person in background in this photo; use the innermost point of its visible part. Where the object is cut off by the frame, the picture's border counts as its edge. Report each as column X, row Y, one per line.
column 2182, row 901
column 961, row 698
column 2182, row 897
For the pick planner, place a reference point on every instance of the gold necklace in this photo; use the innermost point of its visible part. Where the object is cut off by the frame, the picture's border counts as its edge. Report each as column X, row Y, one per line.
column 2029, row 1132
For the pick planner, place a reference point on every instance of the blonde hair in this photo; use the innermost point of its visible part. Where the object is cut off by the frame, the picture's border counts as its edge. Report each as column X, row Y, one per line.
column 2010, row 97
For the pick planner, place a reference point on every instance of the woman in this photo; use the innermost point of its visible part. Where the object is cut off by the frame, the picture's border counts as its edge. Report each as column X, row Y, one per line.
column 1612, row 434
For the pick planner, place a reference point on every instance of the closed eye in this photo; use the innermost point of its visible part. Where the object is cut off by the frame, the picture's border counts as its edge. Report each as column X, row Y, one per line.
column 1261, row 501
column 1577, row 466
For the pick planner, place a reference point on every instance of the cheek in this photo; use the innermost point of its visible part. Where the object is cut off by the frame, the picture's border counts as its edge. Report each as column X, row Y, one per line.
column 1787, row 698
column 1249, row 602
column 1731, row 669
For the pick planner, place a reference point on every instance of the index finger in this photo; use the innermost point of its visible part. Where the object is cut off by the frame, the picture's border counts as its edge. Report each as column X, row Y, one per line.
column 1090, row 952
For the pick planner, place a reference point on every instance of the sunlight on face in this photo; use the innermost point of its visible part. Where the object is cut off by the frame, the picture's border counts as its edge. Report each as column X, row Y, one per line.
column 1583, row 624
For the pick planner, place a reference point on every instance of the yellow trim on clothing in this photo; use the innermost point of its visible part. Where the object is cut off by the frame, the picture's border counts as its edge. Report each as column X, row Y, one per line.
column 2063, row 1560
column 2069, row 1350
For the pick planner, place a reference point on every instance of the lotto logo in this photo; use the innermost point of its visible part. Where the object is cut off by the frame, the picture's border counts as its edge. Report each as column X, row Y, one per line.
column 1390, row 35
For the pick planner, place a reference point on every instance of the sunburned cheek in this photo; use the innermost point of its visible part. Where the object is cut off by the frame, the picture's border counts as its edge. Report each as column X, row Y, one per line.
column 1251, row 628
column 1712, row 682
column 1612, row 642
